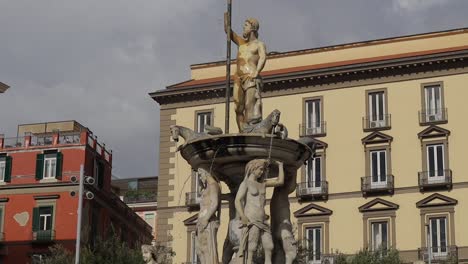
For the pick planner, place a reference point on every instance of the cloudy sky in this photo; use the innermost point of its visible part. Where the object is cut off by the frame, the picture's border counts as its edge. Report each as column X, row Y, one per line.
column 95, row 61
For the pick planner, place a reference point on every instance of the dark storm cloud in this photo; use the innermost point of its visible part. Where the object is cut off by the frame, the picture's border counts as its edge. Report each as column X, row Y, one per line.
column 95, row 61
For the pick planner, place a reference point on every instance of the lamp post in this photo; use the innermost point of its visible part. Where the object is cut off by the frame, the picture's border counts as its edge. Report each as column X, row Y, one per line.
column 89, row 195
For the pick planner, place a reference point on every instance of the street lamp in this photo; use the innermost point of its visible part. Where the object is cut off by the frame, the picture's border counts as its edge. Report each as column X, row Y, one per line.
column 89, row 196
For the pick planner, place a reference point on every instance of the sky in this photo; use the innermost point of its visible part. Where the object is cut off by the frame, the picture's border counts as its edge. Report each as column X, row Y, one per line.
column 95, row 61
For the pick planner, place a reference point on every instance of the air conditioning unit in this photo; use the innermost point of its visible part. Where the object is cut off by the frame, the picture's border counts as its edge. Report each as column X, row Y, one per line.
column 374, row 124
column 432, row 117
column 314, row 130
column 328, row 259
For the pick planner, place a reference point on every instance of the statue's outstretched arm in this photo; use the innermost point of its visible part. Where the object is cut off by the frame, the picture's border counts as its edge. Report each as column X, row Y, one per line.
column 277, row 181
column 234, row 37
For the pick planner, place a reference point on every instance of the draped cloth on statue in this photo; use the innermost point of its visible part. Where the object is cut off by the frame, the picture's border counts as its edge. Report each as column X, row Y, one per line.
column 207, row 238
column 245, row 235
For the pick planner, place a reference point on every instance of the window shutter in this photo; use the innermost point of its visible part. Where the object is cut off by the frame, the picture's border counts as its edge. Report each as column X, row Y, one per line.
column 8, row 165
column 58, row 173
column 40, row 166
column 36, row 220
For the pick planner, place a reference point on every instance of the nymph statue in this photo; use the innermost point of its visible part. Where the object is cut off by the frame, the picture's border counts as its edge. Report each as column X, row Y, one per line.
column 208, row 218
column 250, row 205
column 149, row 254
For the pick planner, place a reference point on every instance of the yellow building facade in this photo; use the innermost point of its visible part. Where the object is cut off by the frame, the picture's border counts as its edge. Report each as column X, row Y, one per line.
column 389, row 120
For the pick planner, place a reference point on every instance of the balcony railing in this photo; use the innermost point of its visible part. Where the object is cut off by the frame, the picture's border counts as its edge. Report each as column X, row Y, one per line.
column 42, row 140
column 435, row 179
column 43, row 236
column 316, row 129
column 140, row 198
column 433, row 116
column 369, row 185
column 14, row 142
column 312, row 190
column 439, row 254
column 192, row 199
column 69, row 138
column 378, row 122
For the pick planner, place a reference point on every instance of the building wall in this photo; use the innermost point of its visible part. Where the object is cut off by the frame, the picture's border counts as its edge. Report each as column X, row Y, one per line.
column 344, row 108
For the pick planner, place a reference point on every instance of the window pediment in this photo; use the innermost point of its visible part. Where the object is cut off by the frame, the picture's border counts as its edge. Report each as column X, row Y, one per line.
column 191, row 220
column 433, row 131
column 378, row 204
column 436, row 199
column 377, row 137
column 312, row 210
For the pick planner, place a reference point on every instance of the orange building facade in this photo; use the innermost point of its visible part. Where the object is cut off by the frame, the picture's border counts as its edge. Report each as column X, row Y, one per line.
column 38, row 192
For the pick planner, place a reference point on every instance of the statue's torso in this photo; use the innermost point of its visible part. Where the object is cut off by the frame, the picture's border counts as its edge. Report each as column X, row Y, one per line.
column 247, row 58
column 255, row 201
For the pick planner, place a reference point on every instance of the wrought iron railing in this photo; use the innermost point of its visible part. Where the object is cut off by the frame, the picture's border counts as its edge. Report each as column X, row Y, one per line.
column 69, row 138
column 376, row 122
column 14, row 142
column 435, row 178
column 312, row 189
column 369, row 184
column 192, row 199
column 439, row 254
column 437, row 115
column 42, row 140
column 315, row 129
column 43, row 235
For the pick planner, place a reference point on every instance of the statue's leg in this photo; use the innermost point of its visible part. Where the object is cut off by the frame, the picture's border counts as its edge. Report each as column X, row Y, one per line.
column 239, row 103
column 267, row 243
column 289, row 243
column 253, row 243
column 250, row 101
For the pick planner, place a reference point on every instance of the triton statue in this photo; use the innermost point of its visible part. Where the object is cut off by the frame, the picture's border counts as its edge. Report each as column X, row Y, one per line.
column 251, row 58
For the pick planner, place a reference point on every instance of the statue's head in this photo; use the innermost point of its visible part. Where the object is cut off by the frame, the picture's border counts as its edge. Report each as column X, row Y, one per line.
column 256, row 167
column 149, row 253
column 275, row 116
column 251, row 25
column 175, row 133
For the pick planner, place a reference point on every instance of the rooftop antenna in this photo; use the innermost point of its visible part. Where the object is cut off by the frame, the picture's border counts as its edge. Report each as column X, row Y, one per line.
column 228, row 65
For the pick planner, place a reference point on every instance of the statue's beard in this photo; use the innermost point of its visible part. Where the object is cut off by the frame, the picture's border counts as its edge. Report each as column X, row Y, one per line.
column 246, row 34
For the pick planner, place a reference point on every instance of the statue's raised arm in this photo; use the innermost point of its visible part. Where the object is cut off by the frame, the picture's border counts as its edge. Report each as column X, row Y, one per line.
column 277, row 181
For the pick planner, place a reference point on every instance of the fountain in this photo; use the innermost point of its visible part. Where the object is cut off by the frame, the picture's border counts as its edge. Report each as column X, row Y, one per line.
column 260, row 156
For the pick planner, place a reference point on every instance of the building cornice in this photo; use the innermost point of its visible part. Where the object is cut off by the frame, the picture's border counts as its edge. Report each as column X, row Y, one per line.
column 323, row 76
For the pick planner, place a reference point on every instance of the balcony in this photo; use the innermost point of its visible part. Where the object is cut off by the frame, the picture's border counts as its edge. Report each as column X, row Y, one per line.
column 192, row 199
column 371, row 187
column 375, row 123
column 439, row 254
column 13, row 142
column 433, row 116
column 317, row 129
column 312, row 190
column 43, row 236
column 139, row 197
column 441, row 179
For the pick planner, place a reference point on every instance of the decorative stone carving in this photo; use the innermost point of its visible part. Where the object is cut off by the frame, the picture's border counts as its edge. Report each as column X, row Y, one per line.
column 149, row 254
column 268, row 125
column 250, row 205
column 208, row 218
column 234, row 233
column 188, row 134
column 251, row 58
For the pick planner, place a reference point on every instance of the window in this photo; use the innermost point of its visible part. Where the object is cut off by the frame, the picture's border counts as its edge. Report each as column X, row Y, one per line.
column 433, row 103
column 49, row 166
column 149, row 218
column 43, row 218
column 438, row 236
column 314, row 244
column 377, row 116
column 435, row 162
column 202, row 120
column 5, row 169
column 378, row 169
column 379, row 235
column 313, row 117
column 314, row 174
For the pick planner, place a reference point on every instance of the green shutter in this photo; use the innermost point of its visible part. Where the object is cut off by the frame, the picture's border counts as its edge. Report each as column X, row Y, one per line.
column 36, row 220
column 58, row 172
column 7, row 169
column 39, row 166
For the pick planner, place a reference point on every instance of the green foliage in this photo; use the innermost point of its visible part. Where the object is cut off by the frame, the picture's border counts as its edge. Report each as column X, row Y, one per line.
column 111, row 251
column 59, row 255
column 376, row 257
